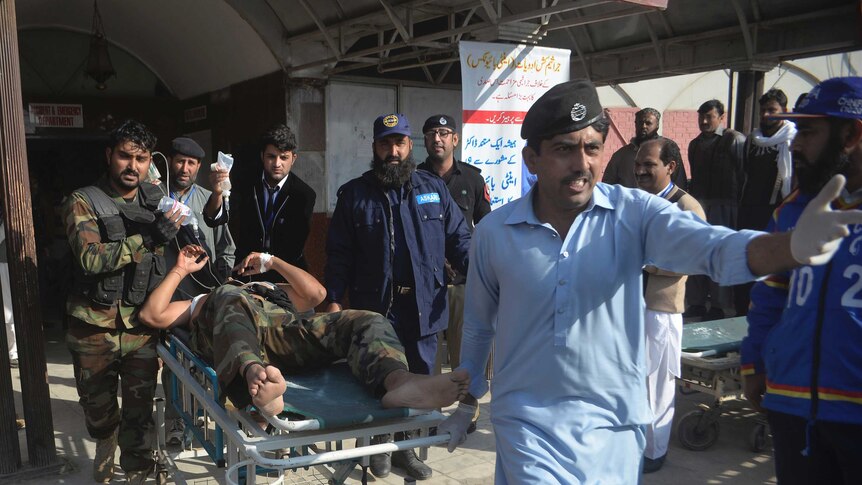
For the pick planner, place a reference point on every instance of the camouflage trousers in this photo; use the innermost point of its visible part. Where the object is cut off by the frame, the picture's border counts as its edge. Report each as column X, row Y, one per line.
column 235, row 328
column 104, row 358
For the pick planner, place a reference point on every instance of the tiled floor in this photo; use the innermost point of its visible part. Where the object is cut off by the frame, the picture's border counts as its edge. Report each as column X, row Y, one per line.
column 729, row 461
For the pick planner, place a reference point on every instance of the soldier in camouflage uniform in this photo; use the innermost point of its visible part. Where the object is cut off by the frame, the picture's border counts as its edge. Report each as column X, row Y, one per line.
column 252, row 333
column 117, row 244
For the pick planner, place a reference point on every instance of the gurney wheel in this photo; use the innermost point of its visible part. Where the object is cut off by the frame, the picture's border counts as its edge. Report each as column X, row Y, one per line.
column 696, row 432
column 757, row 439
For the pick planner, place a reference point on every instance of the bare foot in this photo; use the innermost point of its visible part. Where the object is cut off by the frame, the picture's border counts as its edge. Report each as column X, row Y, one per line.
column 424, row 392
column 266, row 386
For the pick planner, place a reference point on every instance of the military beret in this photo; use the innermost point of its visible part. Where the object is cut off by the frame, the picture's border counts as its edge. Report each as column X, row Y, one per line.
column 391, row 124
column 187, row 147
column 566, row 107
column 439, row 121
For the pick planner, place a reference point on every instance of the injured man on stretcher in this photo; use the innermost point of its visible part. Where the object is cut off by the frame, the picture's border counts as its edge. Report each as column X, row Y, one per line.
column 253, row 333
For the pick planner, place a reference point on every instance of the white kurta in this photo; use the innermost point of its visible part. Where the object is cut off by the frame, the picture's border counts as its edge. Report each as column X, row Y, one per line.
column 664, row 351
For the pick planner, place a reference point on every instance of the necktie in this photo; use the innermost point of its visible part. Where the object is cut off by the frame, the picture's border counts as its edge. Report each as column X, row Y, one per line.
column 270, row 205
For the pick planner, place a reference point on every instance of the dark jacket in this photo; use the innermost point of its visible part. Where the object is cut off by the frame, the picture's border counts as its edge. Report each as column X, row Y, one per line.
column 471, row 194
column 295, row 203
column 716, row 166
column 468, row 188
column 359, row 247
column 621, row 167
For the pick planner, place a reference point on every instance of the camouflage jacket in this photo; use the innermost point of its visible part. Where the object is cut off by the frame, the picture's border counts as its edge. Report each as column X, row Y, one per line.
column 93, row 256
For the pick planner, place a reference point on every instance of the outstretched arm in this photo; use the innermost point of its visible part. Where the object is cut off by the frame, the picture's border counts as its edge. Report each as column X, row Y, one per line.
column 815, row 239
column 304, row 291
column 158, row 311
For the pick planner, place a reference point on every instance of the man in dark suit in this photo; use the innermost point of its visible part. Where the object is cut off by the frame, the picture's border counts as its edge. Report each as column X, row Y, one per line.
column 275, row 212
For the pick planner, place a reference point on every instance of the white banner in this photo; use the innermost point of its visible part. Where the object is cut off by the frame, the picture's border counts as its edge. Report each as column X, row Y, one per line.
column 499, row 83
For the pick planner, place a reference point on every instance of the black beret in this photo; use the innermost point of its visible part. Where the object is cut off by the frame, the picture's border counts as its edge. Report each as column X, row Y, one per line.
column 187, row 147
column 439, row 121
column 566, row 107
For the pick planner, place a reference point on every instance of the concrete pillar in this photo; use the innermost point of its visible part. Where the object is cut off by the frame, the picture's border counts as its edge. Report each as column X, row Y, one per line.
column 748, row 90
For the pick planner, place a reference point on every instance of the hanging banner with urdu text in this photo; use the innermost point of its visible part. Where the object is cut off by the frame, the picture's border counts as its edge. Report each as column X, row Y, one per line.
column 499, row 83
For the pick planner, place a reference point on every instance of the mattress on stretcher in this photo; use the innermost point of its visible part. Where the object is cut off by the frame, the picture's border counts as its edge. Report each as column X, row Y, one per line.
column 335, row 398
column 332, row 396
column 721, row 336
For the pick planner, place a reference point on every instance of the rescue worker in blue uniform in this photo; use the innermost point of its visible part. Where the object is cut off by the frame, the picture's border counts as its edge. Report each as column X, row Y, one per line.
column 391, row 233
column 802, row 358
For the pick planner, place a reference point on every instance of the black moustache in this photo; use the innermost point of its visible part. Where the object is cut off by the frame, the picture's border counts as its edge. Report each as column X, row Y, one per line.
column 572, row 178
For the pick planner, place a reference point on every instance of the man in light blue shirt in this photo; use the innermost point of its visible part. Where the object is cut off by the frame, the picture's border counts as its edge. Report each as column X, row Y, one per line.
column 555, row 282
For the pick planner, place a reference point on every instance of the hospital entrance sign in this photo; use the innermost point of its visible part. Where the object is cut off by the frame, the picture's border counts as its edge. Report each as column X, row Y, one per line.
column 52, row 115
column 499, row 84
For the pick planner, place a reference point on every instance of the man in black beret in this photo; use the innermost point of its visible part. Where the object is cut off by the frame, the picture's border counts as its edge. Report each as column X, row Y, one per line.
column 555, row 283
column 184, row 162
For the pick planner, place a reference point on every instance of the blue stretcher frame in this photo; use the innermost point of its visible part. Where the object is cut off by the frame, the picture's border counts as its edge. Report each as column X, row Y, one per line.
column 246, row 449
column 215, row 447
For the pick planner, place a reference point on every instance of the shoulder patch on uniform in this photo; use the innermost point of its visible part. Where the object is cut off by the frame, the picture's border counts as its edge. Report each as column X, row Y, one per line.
column 470, row 166
column 487, row 194
column 428, row 198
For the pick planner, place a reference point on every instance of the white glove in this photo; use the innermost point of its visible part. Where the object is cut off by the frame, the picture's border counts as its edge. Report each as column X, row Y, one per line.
column 456, row 425
column 820, row 229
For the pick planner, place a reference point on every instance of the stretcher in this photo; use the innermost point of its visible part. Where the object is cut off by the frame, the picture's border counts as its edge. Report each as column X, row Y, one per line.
column 324, row 409
column 710, row 365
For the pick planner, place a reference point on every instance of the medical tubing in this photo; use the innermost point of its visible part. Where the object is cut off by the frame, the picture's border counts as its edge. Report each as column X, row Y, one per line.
column 192, row 275
column 167, row 171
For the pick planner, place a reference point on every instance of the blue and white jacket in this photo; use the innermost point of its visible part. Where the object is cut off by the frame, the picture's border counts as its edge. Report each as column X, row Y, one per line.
column 805, row 329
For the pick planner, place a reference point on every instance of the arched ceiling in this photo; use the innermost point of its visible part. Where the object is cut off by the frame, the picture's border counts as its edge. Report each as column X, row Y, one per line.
column 199, row 46
column 193, row 46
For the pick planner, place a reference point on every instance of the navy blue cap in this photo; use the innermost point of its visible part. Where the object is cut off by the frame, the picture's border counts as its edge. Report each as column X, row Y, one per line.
column 187, row 147
column 391, row 124
column 839, row 97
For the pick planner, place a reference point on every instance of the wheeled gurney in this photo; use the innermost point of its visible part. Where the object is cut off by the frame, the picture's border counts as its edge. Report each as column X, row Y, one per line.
column 710, row 364
column 323, row 409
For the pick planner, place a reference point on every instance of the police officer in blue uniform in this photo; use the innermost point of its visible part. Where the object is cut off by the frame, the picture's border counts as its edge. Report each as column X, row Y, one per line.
column 391, row 233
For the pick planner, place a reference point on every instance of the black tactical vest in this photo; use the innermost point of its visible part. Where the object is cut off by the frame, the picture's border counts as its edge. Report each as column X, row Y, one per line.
column 135, row 281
